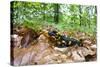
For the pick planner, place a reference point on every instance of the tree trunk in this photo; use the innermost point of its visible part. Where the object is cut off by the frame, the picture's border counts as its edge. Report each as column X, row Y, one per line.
column 56, row 11
column 96, row 14
column 96, row 9
column 80, row 12
column 44, row 7
column 88, row 19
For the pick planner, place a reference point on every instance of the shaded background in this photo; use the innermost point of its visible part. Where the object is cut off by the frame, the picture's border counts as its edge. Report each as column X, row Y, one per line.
column 68, row 17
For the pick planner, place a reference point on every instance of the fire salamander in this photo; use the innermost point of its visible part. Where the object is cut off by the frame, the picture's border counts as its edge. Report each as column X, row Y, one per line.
column 64, row 41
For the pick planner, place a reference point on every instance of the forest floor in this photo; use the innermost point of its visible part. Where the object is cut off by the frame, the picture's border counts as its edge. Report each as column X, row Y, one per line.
column 43, row 52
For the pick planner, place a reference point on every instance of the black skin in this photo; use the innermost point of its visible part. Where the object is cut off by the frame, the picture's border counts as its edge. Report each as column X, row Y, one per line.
column 64, row 41
column 53, row 33
column 73, row 41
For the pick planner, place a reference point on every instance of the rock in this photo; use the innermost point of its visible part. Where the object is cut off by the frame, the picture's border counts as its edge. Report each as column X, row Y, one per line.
column 43, row 39
column 17, row 61
column 88, row 42
column 63, row 50
column 94, row 46
column 26, row 59
column 77, row 56
column 68, row 60
column 91, row 58
column 16, row 40
column 87, row 51
column 43, row 52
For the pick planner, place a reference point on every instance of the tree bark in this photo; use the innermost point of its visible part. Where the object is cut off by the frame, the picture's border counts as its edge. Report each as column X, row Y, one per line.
column 96, row 9
column 56, row 11
column 80, row 12
column 44, row 7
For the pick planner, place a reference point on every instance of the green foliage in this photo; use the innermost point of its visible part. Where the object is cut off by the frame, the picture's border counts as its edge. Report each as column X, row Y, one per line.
column 35, row 25
column 71, row 17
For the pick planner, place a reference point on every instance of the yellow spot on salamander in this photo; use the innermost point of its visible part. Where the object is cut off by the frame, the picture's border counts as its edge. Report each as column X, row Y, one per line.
column 63, row 41
column 69, row 43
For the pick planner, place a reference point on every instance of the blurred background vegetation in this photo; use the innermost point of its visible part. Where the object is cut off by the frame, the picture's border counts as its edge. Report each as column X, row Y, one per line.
column 64, row 17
